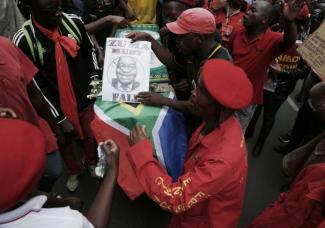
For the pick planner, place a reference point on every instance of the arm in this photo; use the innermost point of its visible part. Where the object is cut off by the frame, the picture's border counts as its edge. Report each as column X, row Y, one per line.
column 101, row 23
column 43, row 110
column 290, row 11
column 163, row 54
column 99, row 211
column 152, row 98
column 205, row 179
column 129, row 14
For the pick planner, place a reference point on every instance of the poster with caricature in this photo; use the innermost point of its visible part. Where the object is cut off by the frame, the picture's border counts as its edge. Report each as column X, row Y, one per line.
column 126, row 69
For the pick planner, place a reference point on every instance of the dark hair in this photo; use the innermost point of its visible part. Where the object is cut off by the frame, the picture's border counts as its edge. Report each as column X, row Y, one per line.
column 181, row 3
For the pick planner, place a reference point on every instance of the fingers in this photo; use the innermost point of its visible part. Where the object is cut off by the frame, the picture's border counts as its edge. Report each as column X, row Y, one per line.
column 140, row 130
column 110, row 146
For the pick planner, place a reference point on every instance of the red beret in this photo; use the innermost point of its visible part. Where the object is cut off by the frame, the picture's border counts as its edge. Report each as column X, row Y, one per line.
column 227, row 84
column 22, row 161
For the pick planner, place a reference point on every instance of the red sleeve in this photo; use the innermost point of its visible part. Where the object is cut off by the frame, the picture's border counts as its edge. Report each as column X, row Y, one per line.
column 206, row 179
column 27, row 66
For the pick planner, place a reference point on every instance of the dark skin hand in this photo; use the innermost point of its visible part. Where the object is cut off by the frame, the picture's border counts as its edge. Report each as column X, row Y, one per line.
column 137, row 134
column 100, row 209
column 150, row 98
column 8, row 113
column 162, row 53
column 68, row 128
column 129, row 14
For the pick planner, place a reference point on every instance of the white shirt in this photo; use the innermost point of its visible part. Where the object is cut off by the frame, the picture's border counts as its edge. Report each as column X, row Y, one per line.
column 31, row 214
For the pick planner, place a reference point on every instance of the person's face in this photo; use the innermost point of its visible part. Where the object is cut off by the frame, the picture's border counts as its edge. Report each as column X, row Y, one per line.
column 254, row 16
column 126, row 70
column 202, row 101
column 47, row 12
column 187, row 43
column 171, row 11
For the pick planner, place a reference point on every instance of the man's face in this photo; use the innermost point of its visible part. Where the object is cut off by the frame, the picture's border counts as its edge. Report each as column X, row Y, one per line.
column 201, row 101
column 47, row 12
column 254, row 16
column 126, row 70
column 187, row 43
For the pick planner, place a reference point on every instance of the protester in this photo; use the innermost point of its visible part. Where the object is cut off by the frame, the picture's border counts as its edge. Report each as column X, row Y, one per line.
column 19, row 93
column 211, row 190
column 22, row 159
column 255, row 46
column 283, row 75
column 67, row 66
column 140, row 11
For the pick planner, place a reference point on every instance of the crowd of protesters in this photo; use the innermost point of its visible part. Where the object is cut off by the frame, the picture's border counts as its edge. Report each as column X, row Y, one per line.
column 227, row 61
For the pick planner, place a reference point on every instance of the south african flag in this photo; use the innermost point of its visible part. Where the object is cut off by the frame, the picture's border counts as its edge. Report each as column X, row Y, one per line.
column 165, row 127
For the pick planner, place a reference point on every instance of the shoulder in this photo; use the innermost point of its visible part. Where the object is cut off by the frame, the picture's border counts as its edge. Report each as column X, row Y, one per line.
column 19, row 39
column 76, row 19
column 223, row 53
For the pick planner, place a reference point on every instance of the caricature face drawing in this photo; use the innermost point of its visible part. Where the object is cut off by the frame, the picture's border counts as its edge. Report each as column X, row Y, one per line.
column 126, row 73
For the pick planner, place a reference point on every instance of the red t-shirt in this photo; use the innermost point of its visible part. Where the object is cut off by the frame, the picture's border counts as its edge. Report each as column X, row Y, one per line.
column 16, row 72
column 255, row 56
column 210, row 192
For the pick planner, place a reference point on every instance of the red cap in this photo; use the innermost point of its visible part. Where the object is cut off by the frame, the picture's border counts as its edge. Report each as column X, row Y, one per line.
column 303, row 13
column 22, row 161
column 195, row 20
column 227, row 83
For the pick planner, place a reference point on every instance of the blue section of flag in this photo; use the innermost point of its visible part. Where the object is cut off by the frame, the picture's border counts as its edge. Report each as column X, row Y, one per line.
column 173, row 140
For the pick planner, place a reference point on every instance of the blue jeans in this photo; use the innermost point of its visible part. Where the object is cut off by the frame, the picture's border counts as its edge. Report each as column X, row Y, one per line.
column 52, row 172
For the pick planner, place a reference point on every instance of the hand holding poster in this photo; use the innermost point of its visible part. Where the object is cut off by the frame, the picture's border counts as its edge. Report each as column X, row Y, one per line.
column 126, row 69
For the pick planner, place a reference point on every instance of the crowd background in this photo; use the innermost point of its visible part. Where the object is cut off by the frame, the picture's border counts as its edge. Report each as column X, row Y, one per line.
column 273, row 167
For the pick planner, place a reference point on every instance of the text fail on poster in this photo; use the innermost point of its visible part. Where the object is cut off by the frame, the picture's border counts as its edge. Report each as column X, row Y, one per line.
column 126, row 69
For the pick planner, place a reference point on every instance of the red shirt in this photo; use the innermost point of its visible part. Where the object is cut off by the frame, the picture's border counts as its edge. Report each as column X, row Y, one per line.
column 322, row 225
column 231, row 23
column 16, row 72
column 301, row 206
column 210, row 193
column 255, row 56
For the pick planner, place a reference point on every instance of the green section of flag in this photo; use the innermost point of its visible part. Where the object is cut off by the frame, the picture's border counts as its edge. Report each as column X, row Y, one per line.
column 158, row 74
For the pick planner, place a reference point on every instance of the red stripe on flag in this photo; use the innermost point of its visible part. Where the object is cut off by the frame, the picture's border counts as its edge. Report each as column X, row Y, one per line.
column 127, row 178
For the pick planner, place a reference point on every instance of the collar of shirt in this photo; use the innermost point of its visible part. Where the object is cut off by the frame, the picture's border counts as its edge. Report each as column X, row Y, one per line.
column 258, row 38
column 209, row 140
column 34, row 204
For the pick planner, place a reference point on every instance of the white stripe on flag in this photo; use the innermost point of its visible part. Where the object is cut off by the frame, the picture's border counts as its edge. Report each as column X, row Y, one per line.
column 109, row 121
column 155, row 132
